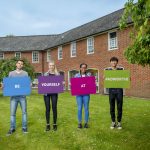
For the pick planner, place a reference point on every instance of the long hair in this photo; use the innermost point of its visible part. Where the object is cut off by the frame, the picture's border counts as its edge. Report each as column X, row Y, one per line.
column 55, row 68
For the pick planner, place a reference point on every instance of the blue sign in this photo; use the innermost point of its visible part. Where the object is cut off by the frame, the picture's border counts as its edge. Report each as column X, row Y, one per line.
column 16, row 86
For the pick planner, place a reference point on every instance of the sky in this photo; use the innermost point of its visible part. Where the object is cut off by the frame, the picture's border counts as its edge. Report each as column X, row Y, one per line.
column 45, row 17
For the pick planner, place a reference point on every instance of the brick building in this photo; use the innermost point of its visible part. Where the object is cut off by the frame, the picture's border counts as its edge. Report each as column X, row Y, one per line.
column 93, row 43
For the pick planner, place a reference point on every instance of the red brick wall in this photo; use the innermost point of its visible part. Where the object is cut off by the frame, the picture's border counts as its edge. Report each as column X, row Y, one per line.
column 27, row 55
column 140, row 76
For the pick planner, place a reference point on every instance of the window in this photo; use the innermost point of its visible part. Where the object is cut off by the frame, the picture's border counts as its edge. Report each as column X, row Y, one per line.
column 18, row 54
column 94, row 72
column 60, row 53
column 1, row 55
column 112, row 41
column 63, row 74
column 73, row 49
column 71, row 74
column 35, row 57
column 90, row 45
column 48, row 55
column 35, row 80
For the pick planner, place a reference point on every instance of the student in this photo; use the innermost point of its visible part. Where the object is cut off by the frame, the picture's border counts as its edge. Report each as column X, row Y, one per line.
column 83, row 100
column 54, row 98
column 14, row 100
column 115, row 94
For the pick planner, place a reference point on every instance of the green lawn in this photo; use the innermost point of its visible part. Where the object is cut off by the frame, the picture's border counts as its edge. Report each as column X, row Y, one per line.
column 135, row 134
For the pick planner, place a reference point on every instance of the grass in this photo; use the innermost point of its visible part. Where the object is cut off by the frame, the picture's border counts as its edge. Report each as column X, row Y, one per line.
column 134, row 135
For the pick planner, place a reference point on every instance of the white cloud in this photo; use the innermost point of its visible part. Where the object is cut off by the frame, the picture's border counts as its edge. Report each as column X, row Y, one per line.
column 28, row 17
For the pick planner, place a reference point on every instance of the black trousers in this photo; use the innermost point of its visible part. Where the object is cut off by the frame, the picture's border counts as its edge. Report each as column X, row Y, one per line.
column 54, row 98
column 116, row 95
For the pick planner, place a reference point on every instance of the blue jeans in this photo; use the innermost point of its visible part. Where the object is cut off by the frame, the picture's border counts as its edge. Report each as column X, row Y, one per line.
column 14, row 100
column 83, row 100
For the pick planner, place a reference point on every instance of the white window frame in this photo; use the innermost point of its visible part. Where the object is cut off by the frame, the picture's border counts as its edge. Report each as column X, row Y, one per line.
column 48, row 55
column 77, row 71
column 1, row 53
column 112, row 40
column 18, row 53
column 96, row 77
column 90, row 45
column 60, row 53
column 33, row 61
column 73, row 49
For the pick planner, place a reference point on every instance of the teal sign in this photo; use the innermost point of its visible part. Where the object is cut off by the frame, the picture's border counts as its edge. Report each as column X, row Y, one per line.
column 117, row 79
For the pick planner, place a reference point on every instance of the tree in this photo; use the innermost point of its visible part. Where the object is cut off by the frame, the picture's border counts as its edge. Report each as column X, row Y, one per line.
column 138, row 52
column 8, row 65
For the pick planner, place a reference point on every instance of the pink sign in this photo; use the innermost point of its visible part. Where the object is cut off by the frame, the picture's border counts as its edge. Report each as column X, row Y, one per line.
column 83, row 86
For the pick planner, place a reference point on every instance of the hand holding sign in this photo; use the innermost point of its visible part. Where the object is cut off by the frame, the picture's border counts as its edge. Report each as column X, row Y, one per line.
column 16, row 86
column 83, row 86
column 50, row 84
column 117, row 79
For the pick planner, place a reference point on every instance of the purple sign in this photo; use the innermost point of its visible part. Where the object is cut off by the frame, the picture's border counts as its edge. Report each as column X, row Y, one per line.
column 82, row 86
column 50, row 84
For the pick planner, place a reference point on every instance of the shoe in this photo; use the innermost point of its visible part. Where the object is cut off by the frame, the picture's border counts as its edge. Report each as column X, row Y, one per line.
column 54, row 127
column 80, row 126
column 113, row 125
column 11, row 131
column 47, row 127
column 119, row 126
column 86, row 125
column 24, row 130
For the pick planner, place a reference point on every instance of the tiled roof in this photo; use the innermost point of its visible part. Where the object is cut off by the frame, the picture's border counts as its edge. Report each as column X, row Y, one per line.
column 42, row 42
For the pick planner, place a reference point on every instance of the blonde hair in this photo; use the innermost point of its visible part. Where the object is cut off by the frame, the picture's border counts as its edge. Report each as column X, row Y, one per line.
column 55, row 68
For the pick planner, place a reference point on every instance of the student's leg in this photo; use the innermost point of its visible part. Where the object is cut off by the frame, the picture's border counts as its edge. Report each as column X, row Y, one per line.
column 47, row 106
column 86, row 100
column 23, row 104
column 13, row 108
column 119, row 105
column 54, row 99
column 79, row 100
column 112, row 105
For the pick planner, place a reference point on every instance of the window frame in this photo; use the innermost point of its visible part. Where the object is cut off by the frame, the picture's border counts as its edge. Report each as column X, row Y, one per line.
column 2, row 55
column 73, row 47
column 60, row 48
column 109, row 41
column 48, row 55
column 33, row 56
column 88, row 45
column 16, row 53
column 69, row 77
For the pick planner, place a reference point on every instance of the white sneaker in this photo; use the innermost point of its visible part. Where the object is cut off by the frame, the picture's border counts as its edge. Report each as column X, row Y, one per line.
column 119, row 126
column 113, row 125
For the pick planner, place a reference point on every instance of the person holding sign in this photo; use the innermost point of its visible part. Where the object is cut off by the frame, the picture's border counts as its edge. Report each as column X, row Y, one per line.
column 54, row 98
column 83, row 100
column 115, row 94
column 14, row 100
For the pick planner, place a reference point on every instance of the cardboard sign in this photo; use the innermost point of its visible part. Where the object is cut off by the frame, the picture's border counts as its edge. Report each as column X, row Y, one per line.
column 16, row 86
column 83, row 85
column 50, row 84
column 117, row 79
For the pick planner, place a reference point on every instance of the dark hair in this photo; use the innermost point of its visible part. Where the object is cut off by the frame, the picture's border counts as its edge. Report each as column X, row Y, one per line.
column 83, row 64
column 20, row 60
column 114, row 59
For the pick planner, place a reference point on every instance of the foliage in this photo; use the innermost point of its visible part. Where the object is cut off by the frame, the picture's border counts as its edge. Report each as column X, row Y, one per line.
column 138, row 52
column 8, row 65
